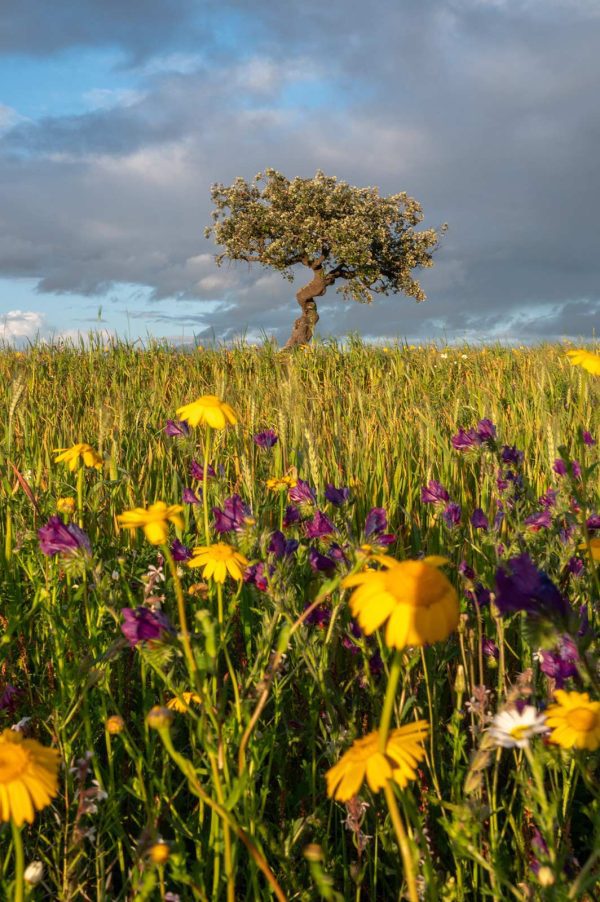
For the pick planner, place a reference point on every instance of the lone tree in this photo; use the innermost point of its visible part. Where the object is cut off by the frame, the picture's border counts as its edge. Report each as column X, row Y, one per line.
column 343, row 234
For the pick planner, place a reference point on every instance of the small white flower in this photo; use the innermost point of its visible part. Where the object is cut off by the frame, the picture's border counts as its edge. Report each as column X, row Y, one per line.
column 538, row 656
column 464, row 356
column 444, row 356
column 115, row 575
column 511, row 729
column 33, row 873
column 20, row 726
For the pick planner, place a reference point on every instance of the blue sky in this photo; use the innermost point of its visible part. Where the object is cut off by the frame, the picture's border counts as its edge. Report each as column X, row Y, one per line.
column 115, row 121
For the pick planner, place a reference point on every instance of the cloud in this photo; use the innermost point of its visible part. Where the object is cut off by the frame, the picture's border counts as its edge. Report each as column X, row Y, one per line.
column 20, row 324
column 484, row 111
column 139, row 26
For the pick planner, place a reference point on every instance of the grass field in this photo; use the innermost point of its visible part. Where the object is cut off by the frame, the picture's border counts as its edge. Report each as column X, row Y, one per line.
column 273, row 676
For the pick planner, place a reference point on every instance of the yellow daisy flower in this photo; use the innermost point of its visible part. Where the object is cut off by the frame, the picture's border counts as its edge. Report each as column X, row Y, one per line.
column 72, row 455
column 209, row 410
column 585, row 359
column 65, row 505
column 403, row 751
column 154, row 521
column 416, row 599
column 219, row 560
column 182, row 704
column 575, row 721
column 281, row 483
column 28, row 777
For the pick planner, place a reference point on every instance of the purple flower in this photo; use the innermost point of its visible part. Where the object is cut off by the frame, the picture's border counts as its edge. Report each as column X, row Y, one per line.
column 499, row 516
column 179, row 552
column 587, row 438
column 376, row 664
column 280, row 546
column 302, row 493
column 560, row 467
column 575, row 566
column 522, row 587
column 486, row 430
column 478, row 595
column 337, row 496
column 234, row 515
column 336, row 553
column 560, row 664
column 565, row 533
column 197, row 471
column 255, row 575
column 350, row 645
column 540, row 520
column 177, row 428
column 292, row 515
column 56, row 538
column 319, row 562
column 9, row 698
column 576, row 469
column 548, row 499
column 189, row 497
column 538, row 843
column 434, row 493
column 466, row 571
column 376, row 521
column 489, row 648
column 320, row 617
column 320, row 525
column 266, row 439
column 479, row 519
column 593, row 522
column 452, row 515
column 465, row 440
column 144, row 625
column 511, row 455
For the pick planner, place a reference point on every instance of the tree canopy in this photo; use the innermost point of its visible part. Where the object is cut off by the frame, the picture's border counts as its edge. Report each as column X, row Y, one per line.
column 355, row 236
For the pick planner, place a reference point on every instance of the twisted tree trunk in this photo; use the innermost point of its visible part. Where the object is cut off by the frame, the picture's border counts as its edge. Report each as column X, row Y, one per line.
column 304, row 326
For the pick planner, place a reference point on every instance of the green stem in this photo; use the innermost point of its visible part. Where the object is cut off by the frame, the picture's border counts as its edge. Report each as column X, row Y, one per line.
column 231, row 671
column 19, row 862
column 402, row 838
column 388, row 702
column 188, row 770
column 185, row 636
column 205, row 485
column 80, row 478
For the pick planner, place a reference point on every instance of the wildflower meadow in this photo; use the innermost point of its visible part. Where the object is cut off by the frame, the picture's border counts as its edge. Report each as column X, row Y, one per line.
column 315, row 624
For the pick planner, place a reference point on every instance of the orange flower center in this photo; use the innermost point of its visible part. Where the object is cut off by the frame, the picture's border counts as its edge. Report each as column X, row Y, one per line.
column 13, row 762
column 582, row 719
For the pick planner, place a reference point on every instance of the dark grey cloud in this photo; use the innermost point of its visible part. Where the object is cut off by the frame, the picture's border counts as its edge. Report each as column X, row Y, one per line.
column 484, row 111
column 140, row 27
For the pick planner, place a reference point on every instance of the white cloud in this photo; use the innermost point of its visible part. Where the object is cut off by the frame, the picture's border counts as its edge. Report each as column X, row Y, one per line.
column 21, row 324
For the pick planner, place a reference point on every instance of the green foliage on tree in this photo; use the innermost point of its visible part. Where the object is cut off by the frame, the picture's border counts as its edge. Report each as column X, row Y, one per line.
column 366, row 242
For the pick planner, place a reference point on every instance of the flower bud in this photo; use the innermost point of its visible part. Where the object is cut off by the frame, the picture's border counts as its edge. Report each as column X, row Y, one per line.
column 313, row 852
column 33, row 873
column 159, row 718
column 159, row 852
column 114, row 724
column 545, row 876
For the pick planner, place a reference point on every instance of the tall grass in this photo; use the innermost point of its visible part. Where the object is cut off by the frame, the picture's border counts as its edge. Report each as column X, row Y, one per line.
column 290, row 695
